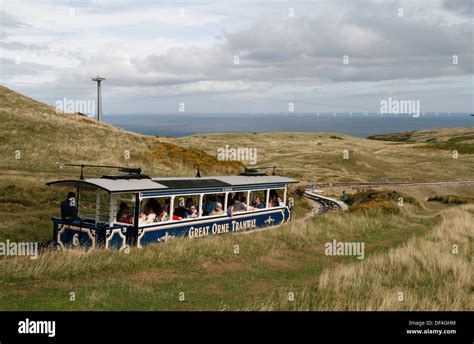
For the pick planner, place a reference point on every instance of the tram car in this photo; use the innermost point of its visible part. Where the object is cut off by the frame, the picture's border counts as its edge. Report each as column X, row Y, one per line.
column 120, row 211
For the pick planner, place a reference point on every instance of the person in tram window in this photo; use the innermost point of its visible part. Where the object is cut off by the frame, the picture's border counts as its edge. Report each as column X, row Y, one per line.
column 230, row 202
column 154, row 205
column 180, row 211
column 209, row 205
column 167, row 204
column 193, row 213
column 148, row 216
column 218, row 209
column 272, row 202
column 163, row 216
column 280, row 202
column 189, row 203
column 68, row 207
column 124, row 214
column 258, row 203
column 239, row 205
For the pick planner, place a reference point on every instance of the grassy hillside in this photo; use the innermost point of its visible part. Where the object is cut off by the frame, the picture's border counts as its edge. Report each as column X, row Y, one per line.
column 461, row 139
column 40, row 137
column 319, row 156
column 45, row 137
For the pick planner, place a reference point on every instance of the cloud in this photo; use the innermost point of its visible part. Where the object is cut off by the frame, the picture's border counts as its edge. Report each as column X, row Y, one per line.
column 463, row 7
column 305, row 49
column 154, row 49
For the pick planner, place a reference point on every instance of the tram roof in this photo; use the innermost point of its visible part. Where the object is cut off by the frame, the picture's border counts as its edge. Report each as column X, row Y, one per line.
column 122, row 185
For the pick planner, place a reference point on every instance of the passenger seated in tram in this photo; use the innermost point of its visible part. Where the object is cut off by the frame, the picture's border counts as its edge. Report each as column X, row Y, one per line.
column 154, row 205
column 257, row 204
column 193, row 213
column 239, row 205
column 148, row 216
column 209, row 205
column 167, row 205
column 218, row 209
column 230, row 202
column 180, row 211
column 273, row 201
column 189, row 203
column 163, row 216
column 124, row 214
column 68, row 207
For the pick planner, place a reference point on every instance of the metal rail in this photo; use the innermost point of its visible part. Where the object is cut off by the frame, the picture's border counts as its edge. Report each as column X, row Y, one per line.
column 326, row 202
column 375, row 185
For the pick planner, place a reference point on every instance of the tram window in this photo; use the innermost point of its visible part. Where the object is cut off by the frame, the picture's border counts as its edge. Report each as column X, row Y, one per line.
column 276, row 198
column 258, row 199
column 213, row 204
column 94, row 205
column 186, row 207
column 86, row 203
column 155, row 210
column 238, row 201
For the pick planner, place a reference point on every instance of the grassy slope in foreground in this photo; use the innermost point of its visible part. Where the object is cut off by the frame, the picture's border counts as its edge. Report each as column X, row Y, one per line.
column 319, row 156
column 427, row 270
column 271, row 262
column 44, row 137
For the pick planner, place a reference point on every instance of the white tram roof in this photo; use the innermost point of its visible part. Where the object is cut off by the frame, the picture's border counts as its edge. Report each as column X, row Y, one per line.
column 122, row 185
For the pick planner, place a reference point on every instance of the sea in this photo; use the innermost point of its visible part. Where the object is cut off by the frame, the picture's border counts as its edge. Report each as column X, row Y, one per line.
column 355, row 124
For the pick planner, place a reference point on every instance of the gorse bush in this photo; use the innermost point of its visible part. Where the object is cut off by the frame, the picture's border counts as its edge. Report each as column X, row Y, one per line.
column 387, row 201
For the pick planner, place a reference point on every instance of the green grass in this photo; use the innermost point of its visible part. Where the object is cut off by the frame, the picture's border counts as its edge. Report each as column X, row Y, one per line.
column 206, row 270
column 450, row 146
column 426, row 270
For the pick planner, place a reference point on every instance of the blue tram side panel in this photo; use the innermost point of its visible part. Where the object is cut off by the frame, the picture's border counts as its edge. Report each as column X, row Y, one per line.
column 203, row 227
column 67, row 234
column 89, row 233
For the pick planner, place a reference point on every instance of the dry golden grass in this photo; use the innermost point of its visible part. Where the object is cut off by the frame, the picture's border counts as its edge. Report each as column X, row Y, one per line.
column 45, row 137
column 434, row 272
column 319, row 156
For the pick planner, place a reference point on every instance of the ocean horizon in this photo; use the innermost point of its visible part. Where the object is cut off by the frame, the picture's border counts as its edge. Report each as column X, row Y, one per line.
column 355, row 124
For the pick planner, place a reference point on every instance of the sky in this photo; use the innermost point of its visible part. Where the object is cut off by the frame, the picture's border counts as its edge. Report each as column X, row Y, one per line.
column 241, row 56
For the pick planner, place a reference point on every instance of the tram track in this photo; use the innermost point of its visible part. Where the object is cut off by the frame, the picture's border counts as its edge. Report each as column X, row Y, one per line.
column 386, row 184
column 328, row 203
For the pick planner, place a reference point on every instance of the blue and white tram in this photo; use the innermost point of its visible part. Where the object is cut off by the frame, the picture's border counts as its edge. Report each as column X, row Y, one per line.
column 136, row 210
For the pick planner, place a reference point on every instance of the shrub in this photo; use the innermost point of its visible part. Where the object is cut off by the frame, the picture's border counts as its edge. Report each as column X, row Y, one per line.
column 372, row 199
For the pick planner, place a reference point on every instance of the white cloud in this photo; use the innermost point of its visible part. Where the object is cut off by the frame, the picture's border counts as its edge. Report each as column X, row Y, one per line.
column 152, row 49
